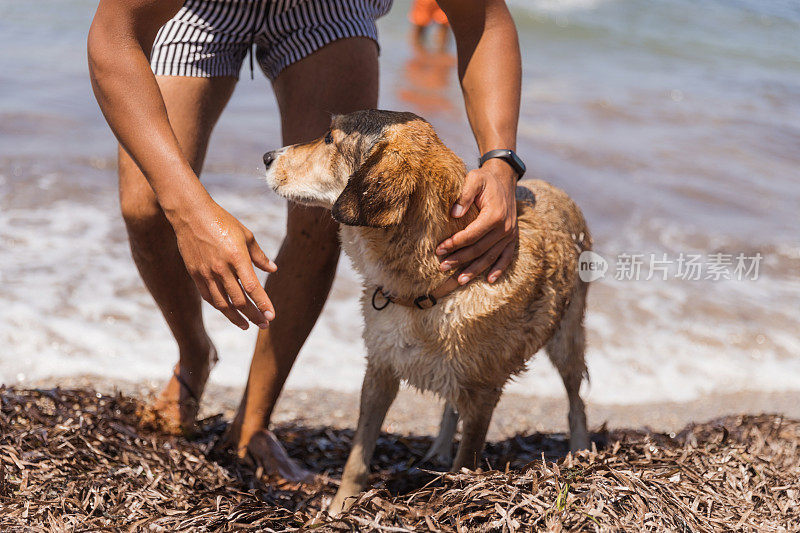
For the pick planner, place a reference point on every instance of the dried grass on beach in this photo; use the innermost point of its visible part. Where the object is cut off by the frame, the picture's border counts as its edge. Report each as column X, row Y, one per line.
column 77, row 460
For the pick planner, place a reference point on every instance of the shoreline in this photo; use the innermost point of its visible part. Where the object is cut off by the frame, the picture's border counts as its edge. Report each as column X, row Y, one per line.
column 415, row 413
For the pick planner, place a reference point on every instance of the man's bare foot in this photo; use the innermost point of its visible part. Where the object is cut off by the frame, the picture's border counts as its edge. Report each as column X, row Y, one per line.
column 265, row 452
column 176, row 407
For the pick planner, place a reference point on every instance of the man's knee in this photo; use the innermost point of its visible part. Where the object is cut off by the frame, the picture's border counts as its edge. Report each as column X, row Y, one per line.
column 143, row 217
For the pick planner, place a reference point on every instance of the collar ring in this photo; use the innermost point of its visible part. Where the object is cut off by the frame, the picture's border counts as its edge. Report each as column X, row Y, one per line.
column 379, row 290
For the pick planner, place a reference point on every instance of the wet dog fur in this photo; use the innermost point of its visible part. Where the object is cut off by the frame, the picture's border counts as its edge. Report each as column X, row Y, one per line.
column 391, row 183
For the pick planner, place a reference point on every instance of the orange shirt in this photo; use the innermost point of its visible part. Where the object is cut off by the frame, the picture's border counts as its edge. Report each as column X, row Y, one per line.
column 423, row 12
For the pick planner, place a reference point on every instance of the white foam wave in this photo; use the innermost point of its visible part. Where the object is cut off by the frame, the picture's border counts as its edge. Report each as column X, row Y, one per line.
column 560, row 6
column 73, row 304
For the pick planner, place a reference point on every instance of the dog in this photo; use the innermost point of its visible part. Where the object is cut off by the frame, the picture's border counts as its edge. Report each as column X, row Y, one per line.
column 391, row 183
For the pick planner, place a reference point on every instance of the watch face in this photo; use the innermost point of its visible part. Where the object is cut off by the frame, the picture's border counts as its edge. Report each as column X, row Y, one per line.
column 508, row 156
column 518, row 161
column 517, row 164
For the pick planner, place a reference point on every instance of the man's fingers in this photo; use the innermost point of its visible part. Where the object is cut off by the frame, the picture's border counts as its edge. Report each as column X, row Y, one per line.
column 255, row 291
column 220, row 302
column 503, row 261
column 202, row 287
column 250, row 282
column 239, row 300
column 253, row 313
column 472, row 188
column 469, row 253
column 259, row 258
column 479, row 227
column 482, row 263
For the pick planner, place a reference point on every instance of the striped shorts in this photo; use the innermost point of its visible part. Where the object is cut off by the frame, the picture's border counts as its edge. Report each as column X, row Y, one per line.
column 209, row 38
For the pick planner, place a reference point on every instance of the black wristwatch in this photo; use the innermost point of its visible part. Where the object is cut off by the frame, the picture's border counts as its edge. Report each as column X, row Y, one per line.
column 506, row 155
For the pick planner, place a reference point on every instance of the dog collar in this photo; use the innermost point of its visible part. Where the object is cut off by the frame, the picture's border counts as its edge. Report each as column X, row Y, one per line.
column 426, row 301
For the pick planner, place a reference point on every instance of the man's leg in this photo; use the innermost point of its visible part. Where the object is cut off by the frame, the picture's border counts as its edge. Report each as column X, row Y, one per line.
column 193, row 105
column 340, row 78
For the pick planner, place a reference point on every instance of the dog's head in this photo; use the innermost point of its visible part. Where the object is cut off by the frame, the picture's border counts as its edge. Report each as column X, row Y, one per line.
column 366, row 168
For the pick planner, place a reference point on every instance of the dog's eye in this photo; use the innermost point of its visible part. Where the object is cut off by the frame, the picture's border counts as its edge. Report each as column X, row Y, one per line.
column 328, row 137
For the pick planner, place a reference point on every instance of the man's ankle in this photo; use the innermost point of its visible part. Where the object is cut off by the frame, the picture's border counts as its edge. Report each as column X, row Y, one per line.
column 197, row 354
column 196, row 349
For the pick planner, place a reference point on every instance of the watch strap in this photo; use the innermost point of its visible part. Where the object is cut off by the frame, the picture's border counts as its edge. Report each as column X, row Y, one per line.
column 506, row 155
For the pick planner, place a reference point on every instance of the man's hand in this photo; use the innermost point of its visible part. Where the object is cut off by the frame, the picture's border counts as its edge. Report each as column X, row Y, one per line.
column 490, row 239
column 219, row 253
column 490, row 71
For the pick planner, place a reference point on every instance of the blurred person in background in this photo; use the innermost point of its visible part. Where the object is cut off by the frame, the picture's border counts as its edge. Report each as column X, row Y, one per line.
column 422, row 15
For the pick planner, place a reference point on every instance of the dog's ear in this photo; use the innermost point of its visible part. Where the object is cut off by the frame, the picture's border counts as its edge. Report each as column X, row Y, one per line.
column 378, row 193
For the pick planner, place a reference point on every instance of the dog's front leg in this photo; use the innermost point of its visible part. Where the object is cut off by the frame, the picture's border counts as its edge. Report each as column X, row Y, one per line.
column 475, row 408
column 377, row 394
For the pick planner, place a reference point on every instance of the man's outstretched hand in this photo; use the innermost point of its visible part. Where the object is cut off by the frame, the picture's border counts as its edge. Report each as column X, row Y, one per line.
column 219, row 253
column 489, row 241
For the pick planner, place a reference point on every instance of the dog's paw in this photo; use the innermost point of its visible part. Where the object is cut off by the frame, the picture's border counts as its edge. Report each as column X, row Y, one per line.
column 342, row 502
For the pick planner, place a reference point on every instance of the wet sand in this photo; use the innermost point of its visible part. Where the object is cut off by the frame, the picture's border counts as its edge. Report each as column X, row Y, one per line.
column 418, row 414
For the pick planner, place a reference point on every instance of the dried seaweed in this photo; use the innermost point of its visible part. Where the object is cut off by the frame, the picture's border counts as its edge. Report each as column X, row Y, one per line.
column 81, row 461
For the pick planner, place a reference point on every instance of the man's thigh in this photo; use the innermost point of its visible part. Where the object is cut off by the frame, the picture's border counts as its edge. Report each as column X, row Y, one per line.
column 339, row 78
column 194, row 105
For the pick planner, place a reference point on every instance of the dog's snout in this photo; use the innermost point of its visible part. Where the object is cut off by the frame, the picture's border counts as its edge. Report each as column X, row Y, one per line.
column 269, row 157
